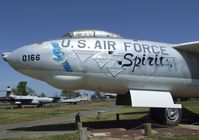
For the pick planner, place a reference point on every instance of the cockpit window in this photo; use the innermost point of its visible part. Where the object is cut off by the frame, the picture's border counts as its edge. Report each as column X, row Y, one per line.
column 91, row 33
column 67, row 35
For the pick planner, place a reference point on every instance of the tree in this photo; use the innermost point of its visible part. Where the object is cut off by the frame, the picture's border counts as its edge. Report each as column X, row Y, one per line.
column 97, row 96
column 22, row 89
column 14, row 91
column 77, row 93
column 30, row 91
column 42, row 94
column 70, row 93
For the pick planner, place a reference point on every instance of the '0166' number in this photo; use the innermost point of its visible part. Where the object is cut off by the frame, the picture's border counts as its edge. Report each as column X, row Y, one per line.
column 31, row 57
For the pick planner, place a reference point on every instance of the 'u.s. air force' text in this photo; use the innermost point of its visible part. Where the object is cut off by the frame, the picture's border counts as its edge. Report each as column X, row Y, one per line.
column 115, row 45
column 136, row 53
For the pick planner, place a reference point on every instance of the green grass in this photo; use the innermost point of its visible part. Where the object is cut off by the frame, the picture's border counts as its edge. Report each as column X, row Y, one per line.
column 128, row 112
column 75, row 137
column 10, row 116
column 191, row 105
column 55, row 137
column 124, row 111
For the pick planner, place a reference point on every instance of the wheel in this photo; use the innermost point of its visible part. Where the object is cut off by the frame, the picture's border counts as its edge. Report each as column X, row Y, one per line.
column 172, row 116
column 168, row 116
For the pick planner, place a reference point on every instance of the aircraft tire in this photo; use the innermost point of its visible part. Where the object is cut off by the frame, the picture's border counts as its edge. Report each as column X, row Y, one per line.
column 172, row 116
column 168, row 116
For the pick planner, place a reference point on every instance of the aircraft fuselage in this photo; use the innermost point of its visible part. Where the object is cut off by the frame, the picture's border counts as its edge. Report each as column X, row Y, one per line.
column 108, row 64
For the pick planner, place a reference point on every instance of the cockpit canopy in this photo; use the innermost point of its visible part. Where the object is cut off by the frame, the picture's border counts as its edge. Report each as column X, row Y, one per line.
column 91, row 33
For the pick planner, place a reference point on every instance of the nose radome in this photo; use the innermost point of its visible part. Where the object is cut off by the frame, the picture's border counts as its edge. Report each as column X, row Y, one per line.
column 5, row 56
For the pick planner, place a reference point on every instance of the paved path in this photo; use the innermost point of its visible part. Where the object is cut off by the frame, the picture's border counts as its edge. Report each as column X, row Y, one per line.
column 4, row 133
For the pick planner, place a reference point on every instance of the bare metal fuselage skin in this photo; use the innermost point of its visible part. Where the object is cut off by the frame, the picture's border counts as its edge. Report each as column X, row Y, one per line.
column 110, row 65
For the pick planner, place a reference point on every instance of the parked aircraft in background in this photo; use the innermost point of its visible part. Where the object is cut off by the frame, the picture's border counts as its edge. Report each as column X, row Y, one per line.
column 142, row 73
column 75, row 100
column 29, row 100
column 25, row 100
column 109, row 95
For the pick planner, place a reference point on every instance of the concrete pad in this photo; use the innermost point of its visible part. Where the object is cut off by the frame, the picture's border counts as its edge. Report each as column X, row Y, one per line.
column 189, row 126
column 100, row 134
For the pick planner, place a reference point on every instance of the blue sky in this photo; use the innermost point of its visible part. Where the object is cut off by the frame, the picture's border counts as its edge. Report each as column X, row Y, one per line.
column 23, row 22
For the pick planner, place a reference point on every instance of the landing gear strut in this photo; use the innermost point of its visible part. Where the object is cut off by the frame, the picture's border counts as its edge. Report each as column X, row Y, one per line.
column 168, row 116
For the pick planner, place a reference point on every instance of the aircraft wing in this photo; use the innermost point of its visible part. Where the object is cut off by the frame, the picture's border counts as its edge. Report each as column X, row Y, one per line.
column 4, row 99
column 191, row 47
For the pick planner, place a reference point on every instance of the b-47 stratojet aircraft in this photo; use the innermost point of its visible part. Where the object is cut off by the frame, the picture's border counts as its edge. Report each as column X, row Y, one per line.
column 142, row 73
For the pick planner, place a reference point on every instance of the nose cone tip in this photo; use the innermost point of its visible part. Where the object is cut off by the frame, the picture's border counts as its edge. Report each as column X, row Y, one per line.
column 5, row 56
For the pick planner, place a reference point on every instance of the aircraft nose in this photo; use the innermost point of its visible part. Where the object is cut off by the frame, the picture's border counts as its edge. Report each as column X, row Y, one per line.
column 5, row 56
column 12, row 58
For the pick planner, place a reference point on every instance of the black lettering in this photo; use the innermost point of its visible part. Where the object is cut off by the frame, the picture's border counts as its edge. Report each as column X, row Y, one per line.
column 128, row 59
column 163, row 50
column 137, row 47
column 24, row 58
column 81, row 43
column 156, row 60
column 143, row 60
column 127, row 45
column 154, row 49
column 104, row 44
column 161, row 60
column 65, row 43
column 38, row 57
column 146, row 47
column 98, row 44
column 137, row 62
column 31, row 57
column 111, row 44
column 151, row 59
